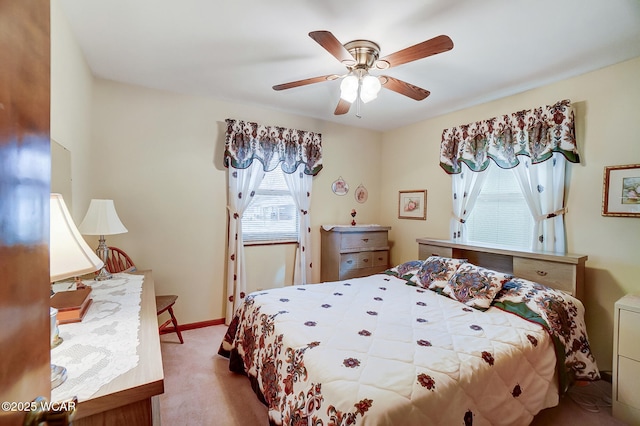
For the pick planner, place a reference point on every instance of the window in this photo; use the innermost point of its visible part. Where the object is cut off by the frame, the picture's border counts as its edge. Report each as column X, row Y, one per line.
column 272, row 216
column 501, row 215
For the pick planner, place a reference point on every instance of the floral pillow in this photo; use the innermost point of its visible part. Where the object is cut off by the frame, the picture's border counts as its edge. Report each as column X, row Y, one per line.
column 436, row 272
column 405, row 270
column 475, row 286
column 563, row 315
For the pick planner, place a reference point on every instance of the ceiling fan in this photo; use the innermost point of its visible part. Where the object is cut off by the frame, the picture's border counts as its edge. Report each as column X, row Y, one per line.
column 360, row 56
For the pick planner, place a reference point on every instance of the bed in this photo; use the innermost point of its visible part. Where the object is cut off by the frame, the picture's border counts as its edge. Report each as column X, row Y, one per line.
column 437, row 341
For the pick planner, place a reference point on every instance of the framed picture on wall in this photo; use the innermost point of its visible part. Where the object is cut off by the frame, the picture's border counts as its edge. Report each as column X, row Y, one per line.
column 412, row 204
column 621, row 191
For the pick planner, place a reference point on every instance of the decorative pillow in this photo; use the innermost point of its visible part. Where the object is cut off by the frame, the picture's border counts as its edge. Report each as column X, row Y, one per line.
column 405, row 270
column 562, row 314
column 475, row 286
column 436, row 272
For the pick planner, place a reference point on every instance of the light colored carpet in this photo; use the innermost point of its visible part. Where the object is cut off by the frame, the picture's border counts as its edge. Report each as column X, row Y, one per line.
column 197, row 382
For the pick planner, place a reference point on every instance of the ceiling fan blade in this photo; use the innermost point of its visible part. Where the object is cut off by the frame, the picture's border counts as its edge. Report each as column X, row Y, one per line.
column 404, row 88
column 439, row 44
column 305, row 82
column 331, row 44
column 342, row 107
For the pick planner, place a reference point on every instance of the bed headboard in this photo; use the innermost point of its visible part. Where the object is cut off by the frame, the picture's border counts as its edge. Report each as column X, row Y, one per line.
column 562, row 271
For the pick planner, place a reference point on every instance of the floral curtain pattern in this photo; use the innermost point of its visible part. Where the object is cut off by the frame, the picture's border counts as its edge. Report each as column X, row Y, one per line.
column 292, row 150
column 247, row 141
column 536, row 133
column 543, row 185
column 300, row 186
column 466, row 187
column 241, row 189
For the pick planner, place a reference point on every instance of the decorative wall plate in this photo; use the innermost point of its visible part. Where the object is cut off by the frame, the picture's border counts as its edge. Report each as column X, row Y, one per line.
column 361, row 194
column 339, row 186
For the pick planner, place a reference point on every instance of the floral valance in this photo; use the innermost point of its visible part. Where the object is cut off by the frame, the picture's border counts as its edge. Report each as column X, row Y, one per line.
column 247, row 141
column 536, row 133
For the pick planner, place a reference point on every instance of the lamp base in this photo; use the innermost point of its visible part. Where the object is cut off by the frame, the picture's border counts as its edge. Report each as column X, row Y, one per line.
column 103, row 252
column 58, row 375
column 103, row 275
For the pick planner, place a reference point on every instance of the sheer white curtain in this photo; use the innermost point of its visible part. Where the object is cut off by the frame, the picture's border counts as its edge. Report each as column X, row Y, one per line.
column 538, row 143
column 543, row 186
column 241, row 187
column 465, row 186
column 299, row 184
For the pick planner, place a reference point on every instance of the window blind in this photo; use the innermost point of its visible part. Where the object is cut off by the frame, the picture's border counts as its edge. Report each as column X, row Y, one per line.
column 501, row 215
column 272, row 216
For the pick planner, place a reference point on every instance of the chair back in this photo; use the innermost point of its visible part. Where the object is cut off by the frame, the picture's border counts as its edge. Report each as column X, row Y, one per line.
column 119, row 261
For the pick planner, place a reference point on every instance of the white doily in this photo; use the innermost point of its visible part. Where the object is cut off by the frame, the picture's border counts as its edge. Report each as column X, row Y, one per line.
column 103, row 345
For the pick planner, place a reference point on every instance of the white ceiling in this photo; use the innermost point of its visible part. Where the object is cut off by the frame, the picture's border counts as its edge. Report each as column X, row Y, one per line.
column 236, row 50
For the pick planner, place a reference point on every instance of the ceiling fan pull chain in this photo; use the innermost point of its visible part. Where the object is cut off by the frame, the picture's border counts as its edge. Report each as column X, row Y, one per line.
column 358, row 100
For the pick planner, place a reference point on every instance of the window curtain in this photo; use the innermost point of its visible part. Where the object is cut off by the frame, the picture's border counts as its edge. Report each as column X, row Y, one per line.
column 300, row 186
column 466, row 187
column 545, row 136
column 241, row 188
column 543, row 187
column 294, row 150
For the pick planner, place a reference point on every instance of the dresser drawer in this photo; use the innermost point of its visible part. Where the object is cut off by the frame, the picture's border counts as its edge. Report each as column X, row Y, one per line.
column 628, row 371
column 629, row 335
column 381, row 258
column 551, row 274
column 363, row 240
column 348, row 262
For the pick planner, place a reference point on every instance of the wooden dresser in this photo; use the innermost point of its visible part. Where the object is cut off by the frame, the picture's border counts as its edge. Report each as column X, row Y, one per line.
column 626, row 360
column 563, row 271
column 353, row 251
column 132, row 397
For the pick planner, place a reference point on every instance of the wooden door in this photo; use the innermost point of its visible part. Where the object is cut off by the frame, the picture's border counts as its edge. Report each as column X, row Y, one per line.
column 25, row 170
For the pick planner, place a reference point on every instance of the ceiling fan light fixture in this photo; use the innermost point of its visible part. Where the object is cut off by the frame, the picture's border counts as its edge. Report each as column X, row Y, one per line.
column 349, row 88
column 370, row 88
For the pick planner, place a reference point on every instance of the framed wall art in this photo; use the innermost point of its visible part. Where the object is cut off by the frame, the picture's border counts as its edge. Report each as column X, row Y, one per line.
column 621, row 191
column 361, row 194
column 339, row 186
column 412, row 204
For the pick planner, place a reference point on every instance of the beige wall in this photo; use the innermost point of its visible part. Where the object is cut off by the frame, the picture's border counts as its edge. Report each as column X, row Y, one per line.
column 71, row 93
column 159, row 156
column 607, row 104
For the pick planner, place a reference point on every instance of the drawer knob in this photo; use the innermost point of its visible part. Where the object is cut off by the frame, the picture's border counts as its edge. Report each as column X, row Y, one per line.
column 349, row 261
column 365, row 260
column 541, row 273
column 366, row 240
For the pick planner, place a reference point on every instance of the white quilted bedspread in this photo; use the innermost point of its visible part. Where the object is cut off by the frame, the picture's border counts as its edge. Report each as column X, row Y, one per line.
column 376, row 351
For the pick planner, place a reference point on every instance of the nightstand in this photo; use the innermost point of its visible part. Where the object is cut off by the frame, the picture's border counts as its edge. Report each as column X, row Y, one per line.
column 626, row 360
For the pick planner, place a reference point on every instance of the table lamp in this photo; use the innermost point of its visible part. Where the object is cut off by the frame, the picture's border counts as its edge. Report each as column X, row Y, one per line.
column 69, row 256
column 102, row 219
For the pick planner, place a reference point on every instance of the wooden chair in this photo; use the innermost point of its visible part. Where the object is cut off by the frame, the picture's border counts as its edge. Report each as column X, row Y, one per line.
column 119, row 261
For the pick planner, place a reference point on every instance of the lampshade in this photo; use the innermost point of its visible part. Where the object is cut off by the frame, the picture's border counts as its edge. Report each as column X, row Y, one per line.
column 349, row 88
column 102, row 219
column 370, row 88
column 367, row 85
column 69, row 254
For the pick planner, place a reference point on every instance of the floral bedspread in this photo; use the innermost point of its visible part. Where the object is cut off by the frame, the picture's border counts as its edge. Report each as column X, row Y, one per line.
column 377, row 351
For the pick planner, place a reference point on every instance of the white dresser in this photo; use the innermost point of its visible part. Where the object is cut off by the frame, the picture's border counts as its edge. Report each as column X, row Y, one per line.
column 626, row 360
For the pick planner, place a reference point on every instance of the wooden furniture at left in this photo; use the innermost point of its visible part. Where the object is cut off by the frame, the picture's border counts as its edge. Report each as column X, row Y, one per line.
column 119, row 261
column 131, row 398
